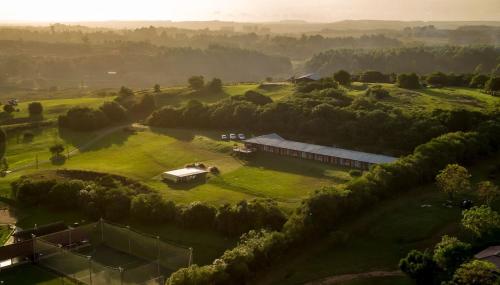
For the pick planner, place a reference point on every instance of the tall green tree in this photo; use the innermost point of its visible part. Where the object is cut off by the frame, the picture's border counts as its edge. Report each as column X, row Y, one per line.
column 453, row 179
column 481, row 221
column 487, row 192
column 476, row 272
column 342, row 77
column 35, row 109
column 450, row 252
column 196, row 82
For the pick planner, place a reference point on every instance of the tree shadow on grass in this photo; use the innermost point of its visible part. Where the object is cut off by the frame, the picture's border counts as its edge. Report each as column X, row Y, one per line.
column 81, row 140
column 293, row 165
column 178, row 134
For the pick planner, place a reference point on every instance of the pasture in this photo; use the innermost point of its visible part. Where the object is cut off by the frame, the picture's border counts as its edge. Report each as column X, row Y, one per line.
column 147, row 153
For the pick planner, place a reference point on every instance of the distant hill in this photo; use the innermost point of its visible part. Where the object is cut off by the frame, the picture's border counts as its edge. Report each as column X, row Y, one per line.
column 287, row 26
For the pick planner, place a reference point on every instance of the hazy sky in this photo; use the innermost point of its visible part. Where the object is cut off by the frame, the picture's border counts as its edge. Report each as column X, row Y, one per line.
column 247, row 10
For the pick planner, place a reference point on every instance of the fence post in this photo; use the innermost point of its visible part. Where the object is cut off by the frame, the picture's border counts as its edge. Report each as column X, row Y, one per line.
column 158, row 245
column 190, row 256
column 102, row 230
column 33, row 238
column 70, row 230
column 90, row 269
column 121, row 275
column 128, row 235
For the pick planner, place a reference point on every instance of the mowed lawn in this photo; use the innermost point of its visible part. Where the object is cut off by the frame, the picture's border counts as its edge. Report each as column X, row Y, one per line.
column 52, row 108
column 147, row 154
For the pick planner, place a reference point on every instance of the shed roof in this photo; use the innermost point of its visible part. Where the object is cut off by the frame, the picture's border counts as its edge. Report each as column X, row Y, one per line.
column 312, row 76
column 188, row 171
column 490, row 251
column 275, row 140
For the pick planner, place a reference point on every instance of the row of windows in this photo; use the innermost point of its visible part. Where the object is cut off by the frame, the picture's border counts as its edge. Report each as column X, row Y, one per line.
column 318, row 157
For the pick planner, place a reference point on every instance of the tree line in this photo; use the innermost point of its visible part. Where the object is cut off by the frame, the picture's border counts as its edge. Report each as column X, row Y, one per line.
column 421, row 60
column 322, row 112
column 109, row 198
column 137, row 64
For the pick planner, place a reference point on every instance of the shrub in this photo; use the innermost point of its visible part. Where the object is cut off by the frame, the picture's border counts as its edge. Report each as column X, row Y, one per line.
column 31, row 192
column 198, row 215
column 377, row 92
column 493, row 84
column 256, row 98
column 374, row 77
column 355, row 173
column 419, row 266
column 114, row 111
column 478, row 81
column 450, row 252
column 408, row 81
column 196, row 82
column 35, row 109
column 342, row 77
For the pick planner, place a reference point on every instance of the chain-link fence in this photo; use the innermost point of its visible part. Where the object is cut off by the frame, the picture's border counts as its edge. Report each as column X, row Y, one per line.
column 103, row 253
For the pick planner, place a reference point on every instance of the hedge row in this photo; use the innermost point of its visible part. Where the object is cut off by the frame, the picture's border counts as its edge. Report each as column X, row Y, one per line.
column 114, row 199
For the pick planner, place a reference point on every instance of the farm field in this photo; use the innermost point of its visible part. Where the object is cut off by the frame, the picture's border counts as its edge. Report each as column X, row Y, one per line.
column 377, row 240
column 147, row 153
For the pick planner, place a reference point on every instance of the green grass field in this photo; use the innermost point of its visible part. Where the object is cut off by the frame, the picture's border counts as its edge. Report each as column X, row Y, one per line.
column 31, row 275
column 52, row 108
column 148, row 153
column 429, row 99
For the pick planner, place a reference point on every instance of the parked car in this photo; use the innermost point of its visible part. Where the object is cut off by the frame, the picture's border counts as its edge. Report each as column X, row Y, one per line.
column 242, row 137
column 223, row 137
column 233, row 137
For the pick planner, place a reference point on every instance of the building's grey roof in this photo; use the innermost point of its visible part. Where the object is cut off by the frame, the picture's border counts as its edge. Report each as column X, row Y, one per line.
column 490, row 251
column 312, row 76
column 491, row 254
column 275, row 140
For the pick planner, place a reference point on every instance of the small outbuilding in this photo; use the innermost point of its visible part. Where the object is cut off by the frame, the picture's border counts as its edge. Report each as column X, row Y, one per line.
column 185, row 174
column 491, row 254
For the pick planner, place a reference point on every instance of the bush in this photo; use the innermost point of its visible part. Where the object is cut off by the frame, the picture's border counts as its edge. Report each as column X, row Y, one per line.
column 8, row 108
column 342, row 77
column 196, row 82
column 479, row 81
column 377, row 92
column 31, row 192
column 83, row 119
column 198, row 215
column 35, row 109
column 493, row 84
column 355, row 173
column 374, row 77
column 419, row 266
column 409, row 81
column 256, row 98
column 114, row 111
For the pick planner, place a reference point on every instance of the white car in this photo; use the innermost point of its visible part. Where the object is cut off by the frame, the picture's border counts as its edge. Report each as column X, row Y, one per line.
column 241, row 136
column 223, row 137
column 233, row 137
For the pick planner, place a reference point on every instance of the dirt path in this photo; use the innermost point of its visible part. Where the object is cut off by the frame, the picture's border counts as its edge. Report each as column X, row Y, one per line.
column 347, row 277
column 76, row 151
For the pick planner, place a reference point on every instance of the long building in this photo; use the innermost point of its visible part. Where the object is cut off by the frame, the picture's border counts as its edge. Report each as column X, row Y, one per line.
column 343, row 157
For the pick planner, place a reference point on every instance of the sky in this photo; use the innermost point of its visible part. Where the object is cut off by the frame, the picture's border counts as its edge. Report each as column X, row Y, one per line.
column 247, row 10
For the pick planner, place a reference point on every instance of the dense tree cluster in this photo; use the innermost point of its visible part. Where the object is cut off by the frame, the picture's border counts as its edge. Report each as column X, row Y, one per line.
column 134, row 64
column 111, row 199
column 422, row 60
column 127, row 104
column 328, row 115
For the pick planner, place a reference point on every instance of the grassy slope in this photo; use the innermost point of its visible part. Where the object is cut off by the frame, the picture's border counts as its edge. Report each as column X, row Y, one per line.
column 55, row 107
column 428, row 99
column 378, row 238
column 145, row 155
